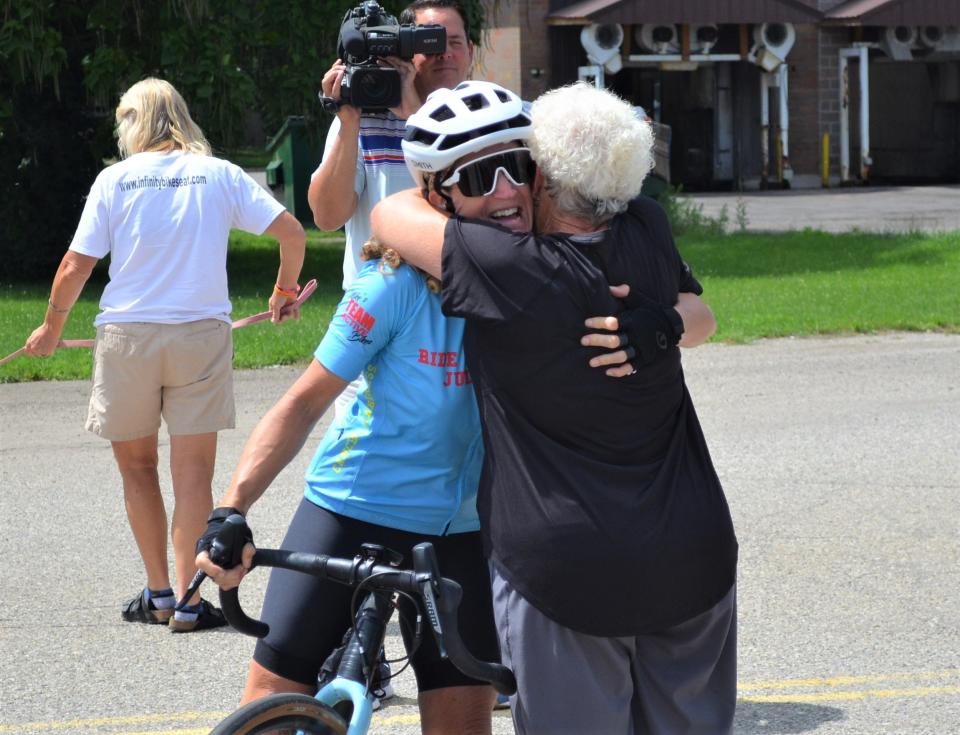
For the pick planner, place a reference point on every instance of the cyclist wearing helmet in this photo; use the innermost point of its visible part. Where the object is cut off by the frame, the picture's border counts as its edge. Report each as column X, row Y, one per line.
column 479, row 122
column 402, row 466
column 612, row 550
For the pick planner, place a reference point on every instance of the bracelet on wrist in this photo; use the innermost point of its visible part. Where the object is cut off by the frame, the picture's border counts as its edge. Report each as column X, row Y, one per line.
column 56, row 309
column 290, row 293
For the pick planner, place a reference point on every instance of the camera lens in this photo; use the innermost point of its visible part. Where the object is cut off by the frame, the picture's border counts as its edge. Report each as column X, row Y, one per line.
column 374, row 88
column 377, row 87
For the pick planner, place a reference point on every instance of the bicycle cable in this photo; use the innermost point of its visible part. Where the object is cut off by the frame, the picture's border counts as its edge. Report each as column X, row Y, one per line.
column 354, row 609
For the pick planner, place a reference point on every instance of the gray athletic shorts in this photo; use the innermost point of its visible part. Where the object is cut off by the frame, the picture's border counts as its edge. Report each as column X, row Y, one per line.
column 682, row 681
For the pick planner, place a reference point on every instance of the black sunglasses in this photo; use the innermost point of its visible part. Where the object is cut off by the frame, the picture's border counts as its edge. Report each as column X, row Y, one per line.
column 479, row 176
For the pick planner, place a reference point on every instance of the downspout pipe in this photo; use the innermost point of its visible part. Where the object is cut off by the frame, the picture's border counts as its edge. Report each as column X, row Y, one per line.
column 862, row 55
column 866, row 161
column 764, row 129
column 782, row 84
column 844, row 69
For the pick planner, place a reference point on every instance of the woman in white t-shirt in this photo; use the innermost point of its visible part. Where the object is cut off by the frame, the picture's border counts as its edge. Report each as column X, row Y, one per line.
column 163, row 348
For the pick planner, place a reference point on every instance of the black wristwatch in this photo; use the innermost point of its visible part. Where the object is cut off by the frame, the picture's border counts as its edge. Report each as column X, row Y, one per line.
column 329, row 104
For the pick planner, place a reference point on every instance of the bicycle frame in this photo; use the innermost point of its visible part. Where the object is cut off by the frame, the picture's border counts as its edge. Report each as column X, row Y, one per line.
column 341, row 690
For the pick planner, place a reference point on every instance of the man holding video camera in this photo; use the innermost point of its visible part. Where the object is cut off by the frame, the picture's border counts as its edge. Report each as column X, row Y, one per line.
column 362, row 160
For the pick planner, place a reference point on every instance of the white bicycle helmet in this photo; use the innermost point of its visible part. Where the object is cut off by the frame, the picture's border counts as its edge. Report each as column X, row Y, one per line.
column 454, row 122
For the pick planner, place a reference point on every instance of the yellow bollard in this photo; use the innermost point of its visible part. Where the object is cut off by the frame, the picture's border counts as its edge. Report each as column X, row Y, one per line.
column 825, row 162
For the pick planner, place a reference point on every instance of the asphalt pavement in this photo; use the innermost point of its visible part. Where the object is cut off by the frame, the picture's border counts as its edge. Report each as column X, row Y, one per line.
column 839, row 458
column 888, row 209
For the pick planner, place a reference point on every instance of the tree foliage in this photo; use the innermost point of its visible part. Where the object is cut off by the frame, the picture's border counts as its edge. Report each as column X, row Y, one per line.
column 64, row 65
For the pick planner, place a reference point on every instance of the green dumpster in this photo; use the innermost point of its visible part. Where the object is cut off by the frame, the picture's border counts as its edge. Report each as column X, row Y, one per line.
column 296, row 156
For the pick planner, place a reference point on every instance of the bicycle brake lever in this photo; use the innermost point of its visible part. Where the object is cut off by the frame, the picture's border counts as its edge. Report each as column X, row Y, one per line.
column 430, row 602
column 428, row 575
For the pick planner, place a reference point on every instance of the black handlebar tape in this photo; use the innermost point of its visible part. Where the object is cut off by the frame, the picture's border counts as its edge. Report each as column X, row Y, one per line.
column 317, row 565
column 230, row 604
column 321, row 566
column 499, row 676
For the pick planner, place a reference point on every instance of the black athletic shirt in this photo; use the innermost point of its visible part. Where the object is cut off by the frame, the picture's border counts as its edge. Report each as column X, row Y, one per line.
column 598, row 499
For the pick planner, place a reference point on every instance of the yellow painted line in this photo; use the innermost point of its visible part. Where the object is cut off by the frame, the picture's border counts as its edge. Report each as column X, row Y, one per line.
column 853, row 695
column 397, row 720
column 115, row 721
column 849, row 680
column 827, row 683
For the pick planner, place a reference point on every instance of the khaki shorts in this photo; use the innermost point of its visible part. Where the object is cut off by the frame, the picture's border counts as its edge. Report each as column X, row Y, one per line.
column 141, row 371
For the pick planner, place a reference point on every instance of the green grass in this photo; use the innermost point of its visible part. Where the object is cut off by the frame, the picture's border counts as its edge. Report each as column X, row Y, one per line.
column 246, row 157
column 809, row 282
column 759, row 285
column 252, row 264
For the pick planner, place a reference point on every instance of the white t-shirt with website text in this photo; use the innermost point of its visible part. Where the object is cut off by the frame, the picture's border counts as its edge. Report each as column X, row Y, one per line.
column 164, row 219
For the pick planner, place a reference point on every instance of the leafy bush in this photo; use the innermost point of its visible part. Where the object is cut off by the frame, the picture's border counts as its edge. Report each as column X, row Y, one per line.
column 64, row 65
column 687, row 217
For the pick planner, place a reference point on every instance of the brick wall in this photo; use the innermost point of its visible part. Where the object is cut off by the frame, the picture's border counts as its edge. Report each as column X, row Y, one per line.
column 498, row 60
column 516, row 51
column 535, row 49
column 517, row 55
column 804, row 97
column 498, row 57
column 831, row 40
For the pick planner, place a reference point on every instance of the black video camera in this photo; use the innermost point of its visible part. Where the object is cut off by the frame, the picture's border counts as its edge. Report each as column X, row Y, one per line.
column 369, row 32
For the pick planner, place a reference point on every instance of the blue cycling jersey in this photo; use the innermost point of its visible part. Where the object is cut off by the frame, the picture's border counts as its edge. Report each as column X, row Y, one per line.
column 408, row 452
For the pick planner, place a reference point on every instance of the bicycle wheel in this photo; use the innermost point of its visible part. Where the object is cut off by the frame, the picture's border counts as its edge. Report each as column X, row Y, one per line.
column 283, row 714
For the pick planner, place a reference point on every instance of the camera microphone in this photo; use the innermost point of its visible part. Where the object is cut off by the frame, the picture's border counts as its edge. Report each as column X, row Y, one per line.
column 367, row 35
column 354, row 42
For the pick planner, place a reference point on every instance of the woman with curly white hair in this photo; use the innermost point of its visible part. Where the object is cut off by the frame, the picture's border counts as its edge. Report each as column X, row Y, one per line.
column 611, row 546
column 583, row 179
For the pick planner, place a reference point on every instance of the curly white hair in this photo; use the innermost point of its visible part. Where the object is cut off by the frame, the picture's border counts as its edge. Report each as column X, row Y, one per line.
column 592, row 148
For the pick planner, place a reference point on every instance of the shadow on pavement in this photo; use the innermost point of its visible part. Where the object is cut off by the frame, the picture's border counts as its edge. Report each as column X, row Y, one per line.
column 775, row 718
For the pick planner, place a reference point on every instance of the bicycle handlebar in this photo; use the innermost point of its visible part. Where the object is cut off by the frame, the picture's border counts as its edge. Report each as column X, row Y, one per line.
column 441, row 597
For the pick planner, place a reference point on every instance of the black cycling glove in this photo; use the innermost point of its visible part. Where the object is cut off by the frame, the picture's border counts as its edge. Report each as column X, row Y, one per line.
column 224, row 540
column 648, row 329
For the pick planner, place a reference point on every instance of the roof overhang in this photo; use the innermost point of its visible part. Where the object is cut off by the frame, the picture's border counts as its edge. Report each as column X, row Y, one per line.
column 894, row 13
column 685, row 11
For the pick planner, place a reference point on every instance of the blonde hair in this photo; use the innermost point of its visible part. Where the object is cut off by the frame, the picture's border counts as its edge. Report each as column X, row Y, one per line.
column 152, row 116
column 592, row 148
column 372, row 250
